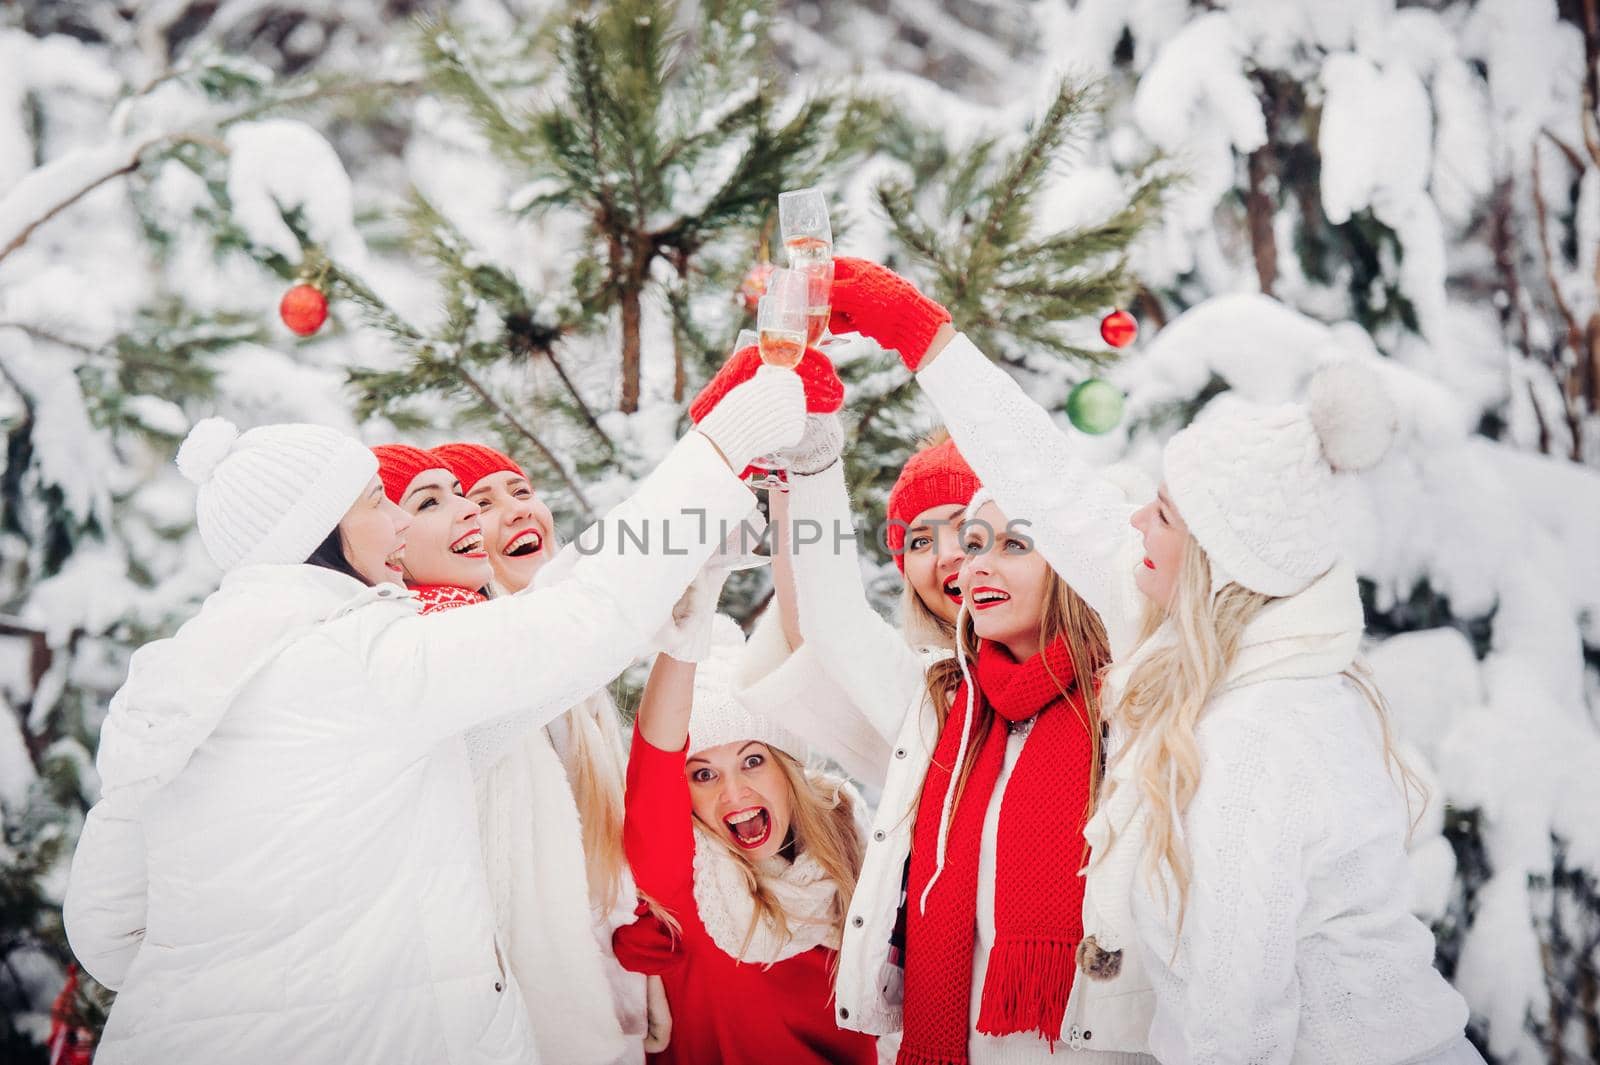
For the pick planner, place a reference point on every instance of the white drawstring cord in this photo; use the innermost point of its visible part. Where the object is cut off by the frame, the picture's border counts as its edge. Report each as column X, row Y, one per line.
column 961, row 757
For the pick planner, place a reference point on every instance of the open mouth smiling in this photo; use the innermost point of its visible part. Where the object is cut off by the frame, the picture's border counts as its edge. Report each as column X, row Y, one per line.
column 525, row 543
column 749, row 827
column 469, row 545
column 986, row 597
column 951, row 588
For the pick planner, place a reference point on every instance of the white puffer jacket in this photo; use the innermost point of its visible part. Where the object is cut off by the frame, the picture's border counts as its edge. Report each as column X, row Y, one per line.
column 1297, row 944
column 285, row 862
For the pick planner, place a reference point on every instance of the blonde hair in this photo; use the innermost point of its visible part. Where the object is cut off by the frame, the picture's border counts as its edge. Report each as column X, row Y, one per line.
column 822, row 823
column 921, row 627
column 1166, row 693
column 1065, row 616
column 594, row 761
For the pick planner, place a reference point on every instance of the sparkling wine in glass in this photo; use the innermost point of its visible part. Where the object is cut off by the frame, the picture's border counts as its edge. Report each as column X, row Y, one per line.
column 808, row 239
column 781, row 319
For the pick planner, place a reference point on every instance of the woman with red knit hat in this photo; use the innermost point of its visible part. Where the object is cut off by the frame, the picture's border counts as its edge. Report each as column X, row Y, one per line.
column 549, row 798
column 283, row 862
column 967, row 912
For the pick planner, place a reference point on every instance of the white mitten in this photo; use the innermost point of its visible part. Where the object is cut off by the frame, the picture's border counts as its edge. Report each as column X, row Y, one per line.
column 686, row 635
column 764, row 414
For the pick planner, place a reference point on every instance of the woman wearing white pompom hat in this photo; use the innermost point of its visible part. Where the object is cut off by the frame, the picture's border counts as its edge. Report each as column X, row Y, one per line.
column 1246, row 895
column 284, row 863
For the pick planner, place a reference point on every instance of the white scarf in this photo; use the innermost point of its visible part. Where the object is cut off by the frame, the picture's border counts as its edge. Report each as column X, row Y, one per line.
column 803, row 889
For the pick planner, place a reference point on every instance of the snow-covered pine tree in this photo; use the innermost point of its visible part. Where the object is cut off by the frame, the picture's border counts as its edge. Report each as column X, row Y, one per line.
column 968, row 225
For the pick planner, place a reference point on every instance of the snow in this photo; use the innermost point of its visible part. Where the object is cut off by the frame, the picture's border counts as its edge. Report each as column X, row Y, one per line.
column 1419, row 114
column 279, row 166
column 57, row 182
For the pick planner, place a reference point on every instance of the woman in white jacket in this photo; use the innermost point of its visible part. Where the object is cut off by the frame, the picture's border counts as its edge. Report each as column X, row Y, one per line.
column 1246, row 896
column 552, row 846
column 284, row 864
column 952, row 965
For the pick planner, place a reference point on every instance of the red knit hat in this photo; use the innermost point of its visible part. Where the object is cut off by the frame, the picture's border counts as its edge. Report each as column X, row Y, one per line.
column 471, row 463
column 399, row 464
column 824, row 390
column 933, row 477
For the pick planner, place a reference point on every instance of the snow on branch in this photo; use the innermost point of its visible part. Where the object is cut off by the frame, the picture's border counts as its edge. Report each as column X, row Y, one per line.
column 60, row 183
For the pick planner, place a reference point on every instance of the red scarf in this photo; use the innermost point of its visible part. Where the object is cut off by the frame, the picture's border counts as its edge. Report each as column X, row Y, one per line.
column 436, row 597
column 1038, row 895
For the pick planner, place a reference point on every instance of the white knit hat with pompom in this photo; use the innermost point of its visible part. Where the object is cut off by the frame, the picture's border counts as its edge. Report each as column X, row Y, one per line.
column 1254, row 483
column 719, row 715
column 274, row 493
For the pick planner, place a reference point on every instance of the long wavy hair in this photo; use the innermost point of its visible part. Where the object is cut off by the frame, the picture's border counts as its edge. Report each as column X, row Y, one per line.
column 822, row 823
column 1065, row 616
column 1165, row 695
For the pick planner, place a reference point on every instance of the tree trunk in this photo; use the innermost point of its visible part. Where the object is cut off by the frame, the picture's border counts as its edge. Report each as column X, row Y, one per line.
column 1258, row 210
column 632, row 313
column 680, row 375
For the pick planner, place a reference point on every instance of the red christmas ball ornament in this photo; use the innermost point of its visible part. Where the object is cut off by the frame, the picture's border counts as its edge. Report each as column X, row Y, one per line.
column 1118, row 328
column 304, row 308
column 754, row 285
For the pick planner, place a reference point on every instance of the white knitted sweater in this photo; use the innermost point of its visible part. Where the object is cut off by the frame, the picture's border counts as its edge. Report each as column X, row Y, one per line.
column 1297, row 945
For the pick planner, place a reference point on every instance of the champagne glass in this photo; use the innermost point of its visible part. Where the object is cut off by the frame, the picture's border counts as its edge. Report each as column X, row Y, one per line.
column 808, row 240
column 781, row 339
column 781, row 318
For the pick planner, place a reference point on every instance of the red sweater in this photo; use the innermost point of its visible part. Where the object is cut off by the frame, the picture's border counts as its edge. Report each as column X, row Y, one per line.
column 723, row 1011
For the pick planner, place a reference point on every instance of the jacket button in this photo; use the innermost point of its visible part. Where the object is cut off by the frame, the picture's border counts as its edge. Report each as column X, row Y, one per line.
column 857, row 921
column 899, row 752
column 879, row 836
column 1087, row 1035
column 498, row 986
column 844, row 1014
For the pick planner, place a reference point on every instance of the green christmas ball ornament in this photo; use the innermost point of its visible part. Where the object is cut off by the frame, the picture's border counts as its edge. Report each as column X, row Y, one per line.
column 1095, row 406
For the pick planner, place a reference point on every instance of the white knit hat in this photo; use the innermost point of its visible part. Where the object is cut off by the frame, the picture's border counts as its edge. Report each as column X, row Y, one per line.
column 1255, row 483
column 719, row 715
column 274, row 493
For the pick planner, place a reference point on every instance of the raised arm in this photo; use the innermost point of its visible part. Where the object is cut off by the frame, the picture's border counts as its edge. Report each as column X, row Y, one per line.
column 1078, row 519
column 542, row 650
column 658, row 825
column 868, row 656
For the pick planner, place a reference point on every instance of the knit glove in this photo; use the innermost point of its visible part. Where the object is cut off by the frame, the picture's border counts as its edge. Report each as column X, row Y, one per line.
column 764, row 414
column 687, row 635
column 819, row 448
column 877, row 302
column 824, row 390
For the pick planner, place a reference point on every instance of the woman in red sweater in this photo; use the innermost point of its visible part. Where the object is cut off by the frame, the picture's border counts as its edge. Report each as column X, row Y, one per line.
column 747, row 861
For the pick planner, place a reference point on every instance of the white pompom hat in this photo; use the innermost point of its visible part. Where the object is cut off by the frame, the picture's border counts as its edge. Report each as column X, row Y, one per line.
column 719, row 716
column 1254, row 482
column 273, row 493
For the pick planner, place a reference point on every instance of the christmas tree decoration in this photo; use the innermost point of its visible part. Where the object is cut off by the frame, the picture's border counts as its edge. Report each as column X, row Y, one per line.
column 1095, row 406
column 303, row 309
column 754, row 285
column 1118, row 328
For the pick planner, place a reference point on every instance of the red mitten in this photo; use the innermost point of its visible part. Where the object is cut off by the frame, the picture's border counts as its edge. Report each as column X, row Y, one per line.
column 877, row 302
column 824, row 390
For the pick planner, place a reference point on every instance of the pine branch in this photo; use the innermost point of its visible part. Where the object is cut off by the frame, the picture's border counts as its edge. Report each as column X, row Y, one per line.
column 452, row 73
column 530, row 436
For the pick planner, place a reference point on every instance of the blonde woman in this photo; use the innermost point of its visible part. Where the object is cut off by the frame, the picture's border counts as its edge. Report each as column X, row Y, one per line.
column 748, row 860
column 1246, row 895
column 962, row 932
